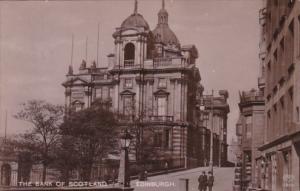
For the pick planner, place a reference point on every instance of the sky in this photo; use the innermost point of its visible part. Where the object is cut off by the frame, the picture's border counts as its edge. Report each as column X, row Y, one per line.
column 36, row 40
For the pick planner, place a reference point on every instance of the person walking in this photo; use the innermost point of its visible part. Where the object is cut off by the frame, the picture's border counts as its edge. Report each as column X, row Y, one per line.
column 210, row 181
column 166, row 167
column 202, row 182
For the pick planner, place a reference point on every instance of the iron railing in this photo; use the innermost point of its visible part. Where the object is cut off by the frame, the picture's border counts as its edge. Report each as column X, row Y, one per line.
column 128, row 63
column 164, row 118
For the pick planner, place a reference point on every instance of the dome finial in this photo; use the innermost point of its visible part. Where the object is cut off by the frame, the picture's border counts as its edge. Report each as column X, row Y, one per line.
column 163, row 14
column 135, row 7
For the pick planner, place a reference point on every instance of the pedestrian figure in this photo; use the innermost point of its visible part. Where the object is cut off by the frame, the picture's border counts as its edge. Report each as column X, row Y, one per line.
column 202, row 182
column 166, row 167
column 210, row 181
column 146, row 175
column 205, row 182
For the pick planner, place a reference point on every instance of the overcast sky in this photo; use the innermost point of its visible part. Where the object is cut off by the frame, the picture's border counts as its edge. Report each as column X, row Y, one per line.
column 35, row 44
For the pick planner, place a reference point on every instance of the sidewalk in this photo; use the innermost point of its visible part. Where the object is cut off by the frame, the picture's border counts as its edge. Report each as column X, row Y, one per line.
column 173, row 182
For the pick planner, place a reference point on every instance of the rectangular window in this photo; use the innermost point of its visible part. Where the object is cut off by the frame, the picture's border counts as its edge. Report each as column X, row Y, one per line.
column 157, row 139
column 99, row 93
column 162, row 106
column 162, row 83
column 248, row 127
column 167, row 138
column 104, row 92
column 111, row 92
column 128, row 83
column 128, row 106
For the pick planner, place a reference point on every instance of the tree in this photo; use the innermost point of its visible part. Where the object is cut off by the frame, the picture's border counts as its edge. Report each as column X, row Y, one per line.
column 136, row 119
column 94, row 134
column 42, row 138
column 65, row 151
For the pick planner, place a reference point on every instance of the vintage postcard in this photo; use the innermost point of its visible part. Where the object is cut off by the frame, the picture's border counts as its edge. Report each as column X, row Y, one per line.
column 149, row 95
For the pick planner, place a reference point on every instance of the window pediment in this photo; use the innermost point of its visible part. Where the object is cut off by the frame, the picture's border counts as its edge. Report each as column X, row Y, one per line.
column 127, row 92
column 75, row 81
column 161, row 93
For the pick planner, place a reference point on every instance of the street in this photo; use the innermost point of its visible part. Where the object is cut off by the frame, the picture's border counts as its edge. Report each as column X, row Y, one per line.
column 172, row 182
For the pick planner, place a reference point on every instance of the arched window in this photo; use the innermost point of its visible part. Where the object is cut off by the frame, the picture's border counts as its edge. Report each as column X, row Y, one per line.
column 5, row 174
column 129, row 53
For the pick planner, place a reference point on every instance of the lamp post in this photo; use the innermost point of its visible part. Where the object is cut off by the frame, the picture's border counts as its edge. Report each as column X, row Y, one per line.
column 211, row 133
column 202, row 108
column 205, row 118
column 123, row 178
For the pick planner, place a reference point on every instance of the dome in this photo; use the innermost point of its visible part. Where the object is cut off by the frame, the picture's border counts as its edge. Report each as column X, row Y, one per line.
column 135, row 20
column 162, row 33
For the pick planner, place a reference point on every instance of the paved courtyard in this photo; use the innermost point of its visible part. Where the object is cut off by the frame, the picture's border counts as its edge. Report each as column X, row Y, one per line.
column 172, row 182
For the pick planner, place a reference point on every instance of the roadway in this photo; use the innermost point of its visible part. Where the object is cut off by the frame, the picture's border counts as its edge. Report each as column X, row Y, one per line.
column 172, row 181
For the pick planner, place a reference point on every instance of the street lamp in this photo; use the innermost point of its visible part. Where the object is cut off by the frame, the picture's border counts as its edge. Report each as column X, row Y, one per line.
column 211, row 133
column 124, row 179
column 206, row 117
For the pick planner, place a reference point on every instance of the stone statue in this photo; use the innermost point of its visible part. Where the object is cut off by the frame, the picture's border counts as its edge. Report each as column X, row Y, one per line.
column 70, row 72
column 83, row 65
column 93, row 66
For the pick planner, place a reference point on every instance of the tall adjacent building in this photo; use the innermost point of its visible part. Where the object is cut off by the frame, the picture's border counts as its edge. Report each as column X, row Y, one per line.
column 278, row 166
column 214, row 117
column 250, row 130
column 153, row 82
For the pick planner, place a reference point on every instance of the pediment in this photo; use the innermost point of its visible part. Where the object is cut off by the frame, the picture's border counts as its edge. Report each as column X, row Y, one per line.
column 127, row 92
column 75, row 81
column 161, row 92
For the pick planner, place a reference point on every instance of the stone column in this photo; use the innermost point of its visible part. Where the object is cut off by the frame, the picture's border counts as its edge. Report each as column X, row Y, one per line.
column 138, row 53
column 116, row 95
column 68, row 97
column 86, row 97
column 123, row 178
column 177, row 99
column 118, row 52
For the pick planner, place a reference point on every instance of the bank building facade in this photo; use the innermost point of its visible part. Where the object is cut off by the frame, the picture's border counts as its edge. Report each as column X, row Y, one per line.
column 153, row 82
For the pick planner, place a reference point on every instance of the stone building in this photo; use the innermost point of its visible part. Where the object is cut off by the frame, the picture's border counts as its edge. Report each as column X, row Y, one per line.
column 216, row 108
column 153, row 82
column 280, row 53
column 250, row 134
column 8, row 165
